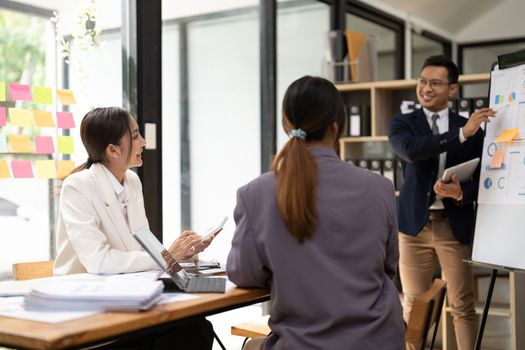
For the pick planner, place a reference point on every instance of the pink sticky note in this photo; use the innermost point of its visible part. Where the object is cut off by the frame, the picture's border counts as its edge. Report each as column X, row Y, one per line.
column 20, row 92
column 22, row 169
column 65, row 120
column 44, row 145
column 497, row 159
column 3, row 119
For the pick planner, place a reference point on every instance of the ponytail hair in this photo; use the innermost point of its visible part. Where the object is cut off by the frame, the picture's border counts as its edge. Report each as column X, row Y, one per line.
column 101, row 127
column 310, row 106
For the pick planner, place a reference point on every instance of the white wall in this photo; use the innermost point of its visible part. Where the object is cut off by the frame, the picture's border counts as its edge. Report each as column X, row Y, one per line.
column 502, row 22
column 224, row 120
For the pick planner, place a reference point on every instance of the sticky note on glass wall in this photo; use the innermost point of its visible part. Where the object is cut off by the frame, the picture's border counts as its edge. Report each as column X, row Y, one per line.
column 66, row 97
column 4, row 169
column 20, row 144
column 508, row 135
column 22, row 169
column 45, row 169
column 20, row 92
column 43, row 95
column 43, row 119
column 2, row 90
column 3, row 144
column 64, row 168
column 3, row 119
column 65, row 144
column 65, row 120
column 44, row 145
column 20, row 117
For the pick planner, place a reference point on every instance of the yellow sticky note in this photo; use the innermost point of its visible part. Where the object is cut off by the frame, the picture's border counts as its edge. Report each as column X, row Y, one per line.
column 4, row 169
column 65, row 144
column 43, row 119
column 45, row 169
column 42, row 94
column 20, row 117
column 508, row 135
column 20, row 144
column 64, row 168
column 66, row 97
column 2, row 90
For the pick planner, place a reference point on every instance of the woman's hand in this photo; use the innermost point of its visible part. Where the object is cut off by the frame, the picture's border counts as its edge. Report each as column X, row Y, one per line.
column 184, row 246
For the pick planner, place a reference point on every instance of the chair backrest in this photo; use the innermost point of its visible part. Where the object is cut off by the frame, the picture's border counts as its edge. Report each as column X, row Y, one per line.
column 425, row 313
column 30, row 270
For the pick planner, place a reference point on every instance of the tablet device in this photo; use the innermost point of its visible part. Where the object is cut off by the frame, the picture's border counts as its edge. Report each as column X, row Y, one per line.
column 463, row 171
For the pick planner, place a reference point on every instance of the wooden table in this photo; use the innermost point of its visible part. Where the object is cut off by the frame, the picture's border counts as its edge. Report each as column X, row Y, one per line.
column 22, row 334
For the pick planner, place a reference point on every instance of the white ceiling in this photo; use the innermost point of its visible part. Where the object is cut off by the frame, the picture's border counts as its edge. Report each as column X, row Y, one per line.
column 457, row 20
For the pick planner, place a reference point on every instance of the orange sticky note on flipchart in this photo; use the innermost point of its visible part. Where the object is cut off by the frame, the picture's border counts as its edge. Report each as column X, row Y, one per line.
column 43, row 119
column 64, row 168
column 497, row 159
column 20, row 144
column 4, row 169
column 66, row 97
column 508, row 135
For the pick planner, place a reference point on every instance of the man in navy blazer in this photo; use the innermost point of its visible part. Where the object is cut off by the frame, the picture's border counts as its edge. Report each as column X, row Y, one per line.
column 436, row 220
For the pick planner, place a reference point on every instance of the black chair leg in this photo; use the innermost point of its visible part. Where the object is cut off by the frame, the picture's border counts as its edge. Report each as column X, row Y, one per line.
column 218, row 340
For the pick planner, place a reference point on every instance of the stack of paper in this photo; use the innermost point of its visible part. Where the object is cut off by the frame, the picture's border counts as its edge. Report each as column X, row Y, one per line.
column 94, row 295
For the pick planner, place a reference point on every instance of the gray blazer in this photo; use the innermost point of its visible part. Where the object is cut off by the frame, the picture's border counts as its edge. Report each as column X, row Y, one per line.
column 335, row 290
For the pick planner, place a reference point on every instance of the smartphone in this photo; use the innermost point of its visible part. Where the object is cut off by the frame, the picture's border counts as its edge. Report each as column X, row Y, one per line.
column 211, row 233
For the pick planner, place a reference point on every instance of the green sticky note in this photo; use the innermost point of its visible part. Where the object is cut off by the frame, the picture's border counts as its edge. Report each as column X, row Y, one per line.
column 42, row 94
column 2, row 90
column 65, row 144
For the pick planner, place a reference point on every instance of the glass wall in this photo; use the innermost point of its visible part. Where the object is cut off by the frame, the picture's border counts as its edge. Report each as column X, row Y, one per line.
column 479, row 59
column 422, row 47
column 89, row 65
column 302, row 29
column 25, row 203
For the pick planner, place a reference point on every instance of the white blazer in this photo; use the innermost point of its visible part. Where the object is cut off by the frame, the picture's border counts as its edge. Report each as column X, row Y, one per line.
column 93, row 234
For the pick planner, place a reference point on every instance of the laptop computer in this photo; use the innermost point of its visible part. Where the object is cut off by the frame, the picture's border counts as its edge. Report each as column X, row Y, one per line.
column 183, row 280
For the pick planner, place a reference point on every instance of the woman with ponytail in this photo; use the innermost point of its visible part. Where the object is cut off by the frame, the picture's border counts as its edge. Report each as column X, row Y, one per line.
column 322, row 234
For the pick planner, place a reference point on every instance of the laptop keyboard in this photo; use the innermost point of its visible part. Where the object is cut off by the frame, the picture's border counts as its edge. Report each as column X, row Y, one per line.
column 206, row 284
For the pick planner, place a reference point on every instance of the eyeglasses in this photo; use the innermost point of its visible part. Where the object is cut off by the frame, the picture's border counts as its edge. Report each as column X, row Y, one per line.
column 434, row 84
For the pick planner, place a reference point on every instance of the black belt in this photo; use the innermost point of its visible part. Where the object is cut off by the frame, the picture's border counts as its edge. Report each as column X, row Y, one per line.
column 439, row 214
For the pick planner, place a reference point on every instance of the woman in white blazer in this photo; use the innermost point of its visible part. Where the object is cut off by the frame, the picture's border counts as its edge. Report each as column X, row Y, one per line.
column 101, row 202
column 101, row 205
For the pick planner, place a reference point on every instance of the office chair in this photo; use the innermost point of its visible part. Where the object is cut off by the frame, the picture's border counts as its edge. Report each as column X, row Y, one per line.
column 425, row 313
column 252, row 329
column 31, row 270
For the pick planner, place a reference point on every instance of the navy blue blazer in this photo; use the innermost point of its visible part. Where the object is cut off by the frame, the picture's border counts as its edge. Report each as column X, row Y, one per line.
column 412, row 140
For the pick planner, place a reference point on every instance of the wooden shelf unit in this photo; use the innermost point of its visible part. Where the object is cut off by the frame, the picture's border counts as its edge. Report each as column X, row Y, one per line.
column 384, row 99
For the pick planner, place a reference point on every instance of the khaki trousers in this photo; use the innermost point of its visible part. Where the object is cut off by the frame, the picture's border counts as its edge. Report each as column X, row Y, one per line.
column 418, row 257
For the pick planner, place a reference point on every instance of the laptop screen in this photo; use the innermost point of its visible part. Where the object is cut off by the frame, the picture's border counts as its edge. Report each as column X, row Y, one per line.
column 162, row 257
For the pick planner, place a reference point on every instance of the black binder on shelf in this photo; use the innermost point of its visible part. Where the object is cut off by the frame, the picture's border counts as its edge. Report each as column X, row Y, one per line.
column 464, row 107
column 375, row 166
column 366, row 129
column 354, row 120
column 479, row 102
column 351, row 161
column 399, row 176
column 388, row 169
column 453, row 104
column 363, row 163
